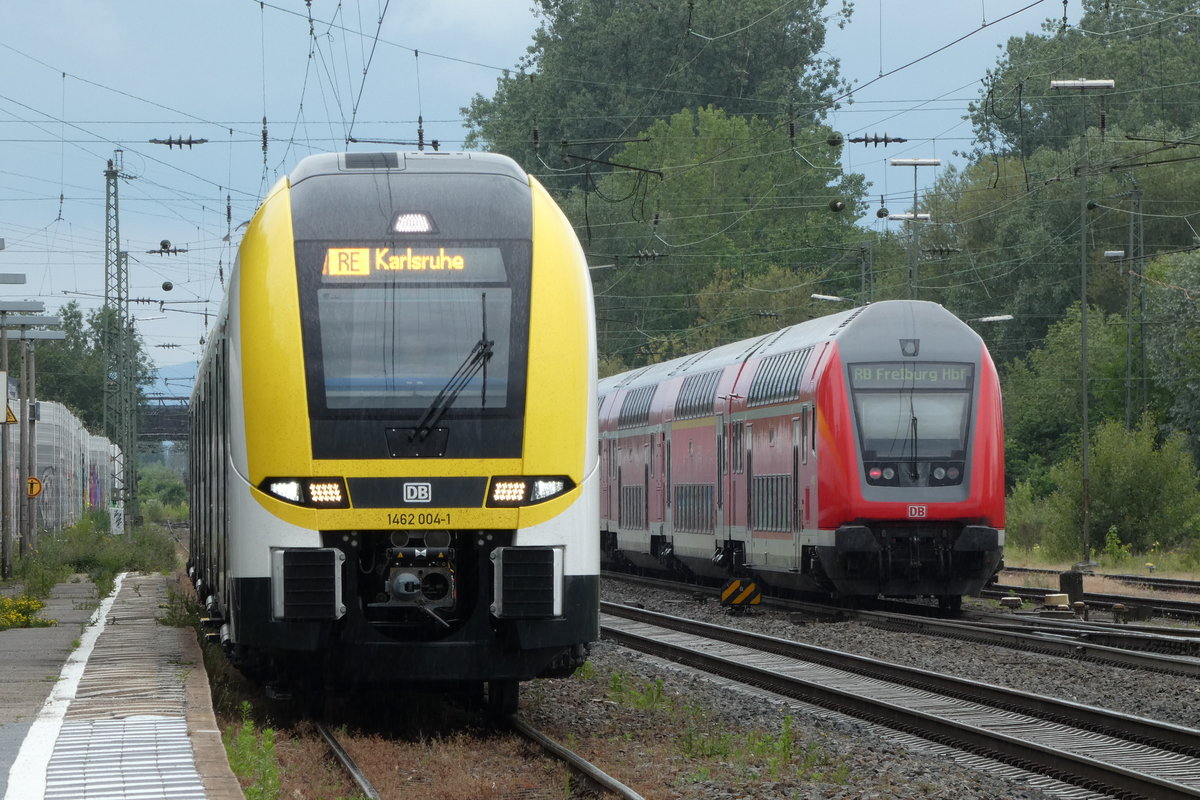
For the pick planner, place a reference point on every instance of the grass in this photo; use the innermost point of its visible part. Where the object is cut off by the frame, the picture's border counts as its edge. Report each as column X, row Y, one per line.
column 1160, row 563
column 88, row 548
column 650, row 719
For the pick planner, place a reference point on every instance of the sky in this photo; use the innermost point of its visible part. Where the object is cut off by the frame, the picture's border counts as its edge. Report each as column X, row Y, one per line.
column 83, row 79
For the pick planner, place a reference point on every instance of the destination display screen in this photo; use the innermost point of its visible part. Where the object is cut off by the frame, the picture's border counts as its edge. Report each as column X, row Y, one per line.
column 911, row 375
column 444, row 263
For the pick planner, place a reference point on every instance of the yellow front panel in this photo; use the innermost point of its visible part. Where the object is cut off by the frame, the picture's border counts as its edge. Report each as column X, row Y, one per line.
column 561, row 357
column 560, row 381
column 277, row 430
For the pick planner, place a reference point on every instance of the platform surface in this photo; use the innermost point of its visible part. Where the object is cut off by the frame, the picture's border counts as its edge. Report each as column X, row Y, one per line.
column 109, row 703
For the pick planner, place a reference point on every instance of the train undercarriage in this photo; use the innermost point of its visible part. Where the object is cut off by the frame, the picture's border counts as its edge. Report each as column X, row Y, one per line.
column 864, row 563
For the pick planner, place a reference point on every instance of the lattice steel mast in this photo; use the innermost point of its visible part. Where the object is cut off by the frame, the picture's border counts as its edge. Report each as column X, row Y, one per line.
column 120, row 384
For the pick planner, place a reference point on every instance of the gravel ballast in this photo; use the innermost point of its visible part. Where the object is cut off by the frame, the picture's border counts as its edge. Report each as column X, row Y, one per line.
column 853, row 758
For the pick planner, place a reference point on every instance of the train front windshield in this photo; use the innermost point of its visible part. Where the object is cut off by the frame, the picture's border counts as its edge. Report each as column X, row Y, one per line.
column 912, row 410
column 398, row 329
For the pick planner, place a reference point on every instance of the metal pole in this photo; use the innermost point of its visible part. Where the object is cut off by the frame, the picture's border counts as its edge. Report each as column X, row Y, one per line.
column 1083, row 334
column 30, row 505
column 912, row 245
column 1127, row 265
column 23, row 463
column 1083, row 85
column 5, row 498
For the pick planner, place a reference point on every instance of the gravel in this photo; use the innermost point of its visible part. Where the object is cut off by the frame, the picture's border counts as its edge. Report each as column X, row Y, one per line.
column 859, row 760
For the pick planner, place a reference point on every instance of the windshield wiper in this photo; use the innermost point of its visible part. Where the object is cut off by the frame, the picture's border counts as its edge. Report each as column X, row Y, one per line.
column 475, row 361
column 912, row 469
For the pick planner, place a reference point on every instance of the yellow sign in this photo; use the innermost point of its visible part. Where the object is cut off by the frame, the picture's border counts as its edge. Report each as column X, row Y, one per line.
column 33, row 487
column 347, row 261
column 11, row 418
column 739, row 592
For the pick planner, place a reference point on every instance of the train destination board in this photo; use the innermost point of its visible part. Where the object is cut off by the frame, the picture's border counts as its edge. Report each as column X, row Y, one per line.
column 921, row 375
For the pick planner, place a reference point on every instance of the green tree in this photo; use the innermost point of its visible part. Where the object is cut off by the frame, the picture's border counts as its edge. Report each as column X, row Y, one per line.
column 1172, row 341
column 160, row 482
column 728, row 199
column 1143, row 490
column 599, row 71
column 1147, row 47
column 72, row 371
column 1042, row 410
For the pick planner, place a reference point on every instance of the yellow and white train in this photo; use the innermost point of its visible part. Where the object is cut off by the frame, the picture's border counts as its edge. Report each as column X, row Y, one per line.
column 394, row 471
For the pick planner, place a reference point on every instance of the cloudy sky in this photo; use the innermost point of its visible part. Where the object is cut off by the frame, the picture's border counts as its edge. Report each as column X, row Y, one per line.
column 84, row 79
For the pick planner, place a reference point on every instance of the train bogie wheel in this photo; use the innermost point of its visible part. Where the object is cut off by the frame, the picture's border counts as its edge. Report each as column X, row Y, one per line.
column 503, row 697
column 950, row 602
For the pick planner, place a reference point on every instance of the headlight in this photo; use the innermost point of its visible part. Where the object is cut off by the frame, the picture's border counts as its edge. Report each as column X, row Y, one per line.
column 308, row 492
column 527, row 491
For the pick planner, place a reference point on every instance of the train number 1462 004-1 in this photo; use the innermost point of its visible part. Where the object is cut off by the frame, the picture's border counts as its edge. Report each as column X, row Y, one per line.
column 406, row 519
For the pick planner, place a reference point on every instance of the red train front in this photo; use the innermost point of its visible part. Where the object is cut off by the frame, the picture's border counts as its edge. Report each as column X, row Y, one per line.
column 859, row 454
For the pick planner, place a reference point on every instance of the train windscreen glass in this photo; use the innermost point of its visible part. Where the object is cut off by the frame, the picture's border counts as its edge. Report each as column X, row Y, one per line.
column 385, row 348
column 912, row 410
column 401, row 328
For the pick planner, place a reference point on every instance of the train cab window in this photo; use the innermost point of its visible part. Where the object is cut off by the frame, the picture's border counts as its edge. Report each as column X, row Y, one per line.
column 414, row 325
column 915, row 414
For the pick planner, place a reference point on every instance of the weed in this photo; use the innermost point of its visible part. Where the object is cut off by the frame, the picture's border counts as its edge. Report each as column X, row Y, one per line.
column 182, row 610
column 252, row 757
column 22, row 612
column 650, row 697
column 88, row 548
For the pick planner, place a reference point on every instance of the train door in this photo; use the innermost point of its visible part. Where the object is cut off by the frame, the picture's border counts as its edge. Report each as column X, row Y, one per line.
column 721, row 528
column 797, row 511
column 669, row 515
column 658, row 478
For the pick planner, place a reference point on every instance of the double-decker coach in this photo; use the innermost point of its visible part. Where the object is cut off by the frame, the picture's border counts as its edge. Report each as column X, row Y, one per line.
column 858, row 454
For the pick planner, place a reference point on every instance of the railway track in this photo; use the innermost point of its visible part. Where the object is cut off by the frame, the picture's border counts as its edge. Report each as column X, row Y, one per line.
column 1099, row 750
column 1149, row 581
column 595, row 779
column 1182, row 610
column 1158, row 649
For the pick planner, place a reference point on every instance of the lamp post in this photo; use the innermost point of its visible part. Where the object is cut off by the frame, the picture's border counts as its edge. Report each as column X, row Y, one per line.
column 1083, row 86
column 914, row 217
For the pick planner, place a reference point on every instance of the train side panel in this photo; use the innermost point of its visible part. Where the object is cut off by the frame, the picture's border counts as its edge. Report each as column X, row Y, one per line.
column 856, row 455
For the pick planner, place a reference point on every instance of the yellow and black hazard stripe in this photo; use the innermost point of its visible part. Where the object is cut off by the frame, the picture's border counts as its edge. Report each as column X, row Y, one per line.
column 741, row 592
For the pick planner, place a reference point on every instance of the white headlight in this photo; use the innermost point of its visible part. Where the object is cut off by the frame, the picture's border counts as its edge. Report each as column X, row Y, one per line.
column 288, row 490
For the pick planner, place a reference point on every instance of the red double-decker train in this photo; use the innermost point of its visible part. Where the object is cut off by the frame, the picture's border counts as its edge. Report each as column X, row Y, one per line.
column 856, row 455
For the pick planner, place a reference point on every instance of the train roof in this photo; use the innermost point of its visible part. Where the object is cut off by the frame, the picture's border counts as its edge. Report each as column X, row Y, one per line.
column 855, row 324
column 427, row 162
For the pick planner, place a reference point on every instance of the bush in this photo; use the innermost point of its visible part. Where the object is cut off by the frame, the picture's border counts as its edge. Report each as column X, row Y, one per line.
column 1141, row 489
column 87, row 547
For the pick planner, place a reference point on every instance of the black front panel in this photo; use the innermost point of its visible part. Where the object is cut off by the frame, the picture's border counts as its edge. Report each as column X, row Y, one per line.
column 417, row 492
column 414, row 295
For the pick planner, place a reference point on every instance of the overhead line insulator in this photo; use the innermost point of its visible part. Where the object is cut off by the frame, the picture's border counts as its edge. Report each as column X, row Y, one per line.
column 877, row 140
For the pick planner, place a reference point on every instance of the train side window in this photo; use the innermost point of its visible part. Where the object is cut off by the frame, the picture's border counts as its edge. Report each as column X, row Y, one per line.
column 736, row 445
column 722, row 456
column 804, row 413
column 667, row 471
column 812, row 439
column 648, row 449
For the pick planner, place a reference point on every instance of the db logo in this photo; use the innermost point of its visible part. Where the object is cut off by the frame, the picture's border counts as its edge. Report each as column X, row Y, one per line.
column 918, row 512
column 418, row 492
